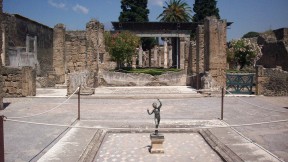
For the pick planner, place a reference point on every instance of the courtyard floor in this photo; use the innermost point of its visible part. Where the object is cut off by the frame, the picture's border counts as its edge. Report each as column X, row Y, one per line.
column 260, row 129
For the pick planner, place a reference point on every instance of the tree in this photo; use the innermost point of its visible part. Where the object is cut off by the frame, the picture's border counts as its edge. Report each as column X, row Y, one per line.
column 134, row 11
column 204, row 8
column 137, row 11
column 121, row 46
column 176, row 11
column 243, row 52
column 251, row 35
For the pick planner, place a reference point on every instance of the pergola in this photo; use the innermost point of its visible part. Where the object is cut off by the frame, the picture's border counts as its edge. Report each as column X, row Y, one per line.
column 157, row 29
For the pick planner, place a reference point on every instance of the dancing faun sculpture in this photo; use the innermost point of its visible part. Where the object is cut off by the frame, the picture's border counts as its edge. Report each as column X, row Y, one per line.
column 156, row 112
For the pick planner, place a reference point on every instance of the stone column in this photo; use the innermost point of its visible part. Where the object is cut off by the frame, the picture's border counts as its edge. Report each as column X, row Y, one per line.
column 94, row 43
column 3, row 53
column 27, row 43
column 59, row 52
column 134, row 60
column 165, row 54
column 144, row 59
column 170, row 62
column 182, row 53
column 160, row 58
column 140, row 56
column 215, row 49
column 155, row 56
column 35, row 46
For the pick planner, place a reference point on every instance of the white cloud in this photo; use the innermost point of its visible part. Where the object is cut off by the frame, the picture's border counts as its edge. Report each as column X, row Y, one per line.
column 157, row 2
column 81, row 9
column 57, row 5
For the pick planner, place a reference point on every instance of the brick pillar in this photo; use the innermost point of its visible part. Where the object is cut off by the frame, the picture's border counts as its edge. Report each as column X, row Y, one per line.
column 199, row 56
column 94, row 46
column 200, row 49
column 94, row 42
column 59, row 52
column 215, row 50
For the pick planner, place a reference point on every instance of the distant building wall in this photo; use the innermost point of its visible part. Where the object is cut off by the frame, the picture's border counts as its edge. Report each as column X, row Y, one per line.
column 271, row 81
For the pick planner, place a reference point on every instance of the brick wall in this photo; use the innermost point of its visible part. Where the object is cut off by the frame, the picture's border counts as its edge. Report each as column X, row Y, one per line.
column 19, row 82
column 271, row 81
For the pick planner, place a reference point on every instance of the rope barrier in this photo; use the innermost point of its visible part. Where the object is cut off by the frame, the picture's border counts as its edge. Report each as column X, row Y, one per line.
column 252, row 103
column 85, row 127
column 47, row 110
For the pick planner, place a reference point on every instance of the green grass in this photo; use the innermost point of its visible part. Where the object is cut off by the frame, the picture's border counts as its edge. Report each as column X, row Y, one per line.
column 151, row 71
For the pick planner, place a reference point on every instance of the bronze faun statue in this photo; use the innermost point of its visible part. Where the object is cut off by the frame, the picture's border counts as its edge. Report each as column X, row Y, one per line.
column 156, row 111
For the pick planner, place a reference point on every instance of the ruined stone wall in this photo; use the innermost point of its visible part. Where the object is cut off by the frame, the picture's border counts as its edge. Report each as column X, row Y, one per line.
column 271, row 81
column 17, row 28
column 274, row 48
column 78, row 52
column 215, row 50
column 19, row 82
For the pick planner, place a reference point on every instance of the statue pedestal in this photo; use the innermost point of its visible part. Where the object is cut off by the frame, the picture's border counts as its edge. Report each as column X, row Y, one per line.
column 157, row 144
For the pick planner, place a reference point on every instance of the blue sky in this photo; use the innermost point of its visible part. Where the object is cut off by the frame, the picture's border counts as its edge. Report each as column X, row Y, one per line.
column 247, row 15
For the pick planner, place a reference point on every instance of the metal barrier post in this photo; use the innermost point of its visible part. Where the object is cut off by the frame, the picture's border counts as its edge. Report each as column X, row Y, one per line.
column 79, row 103
column 222, row 103
column 2, row 159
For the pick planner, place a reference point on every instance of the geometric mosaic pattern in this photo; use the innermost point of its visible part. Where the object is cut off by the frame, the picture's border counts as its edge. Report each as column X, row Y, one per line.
column 134, row 147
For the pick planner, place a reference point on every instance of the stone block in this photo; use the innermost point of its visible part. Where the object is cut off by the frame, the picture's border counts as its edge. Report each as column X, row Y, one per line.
column 157, row 143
